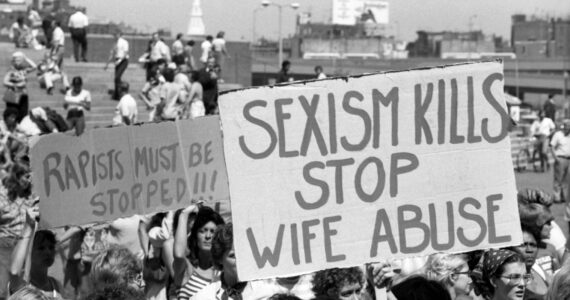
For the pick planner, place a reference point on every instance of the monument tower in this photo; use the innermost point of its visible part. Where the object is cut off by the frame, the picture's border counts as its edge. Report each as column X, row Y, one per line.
column 196, row 25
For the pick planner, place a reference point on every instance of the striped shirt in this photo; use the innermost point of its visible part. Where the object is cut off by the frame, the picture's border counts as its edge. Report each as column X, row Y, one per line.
column 193, row 286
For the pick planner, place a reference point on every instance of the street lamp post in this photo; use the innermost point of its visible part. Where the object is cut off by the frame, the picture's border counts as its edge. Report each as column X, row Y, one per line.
column 253, row 33
column 294, row 5
column 564, row 89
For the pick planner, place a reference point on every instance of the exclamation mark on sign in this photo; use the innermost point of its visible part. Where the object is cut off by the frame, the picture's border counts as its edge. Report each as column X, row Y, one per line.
column 196, row 183
column 213, row 181
column 203, row 182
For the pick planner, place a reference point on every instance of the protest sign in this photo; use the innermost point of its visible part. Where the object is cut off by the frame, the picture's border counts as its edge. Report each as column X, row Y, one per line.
column 345, row 171
column 110, row 173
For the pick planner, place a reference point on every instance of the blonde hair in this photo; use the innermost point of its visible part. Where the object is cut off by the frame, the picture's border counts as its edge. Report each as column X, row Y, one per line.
column 28, row 293
column 441, row 266
column 116, row 265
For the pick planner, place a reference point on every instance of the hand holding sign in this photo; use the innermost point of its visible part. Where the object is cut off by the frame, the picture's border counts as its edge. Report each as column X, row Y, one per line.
column 193, row 208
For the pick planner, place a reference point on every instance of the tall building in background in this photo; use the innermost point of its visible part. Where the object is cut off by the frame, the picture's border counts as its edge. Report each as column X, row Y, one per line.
column 196, row 25
column 350, row 12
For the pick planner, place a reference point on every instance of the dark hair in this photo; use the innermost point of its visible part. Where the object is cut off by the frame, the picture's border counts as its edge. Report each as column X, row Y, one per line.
column 194, row 76
column 13, row 182
column 77, row 80
column 420, row 288
column 284, row 297
column 534, row 216
column 318, row 68
column 220, row 34
column 156, row 220
column 221, row 243
column 168, row 75
column 203, row 217
column 329, row 282
column 190, row 43
column 285, row 63
column 532, row 195
column 20, row 19
column 209, row 38
column 117, row 292
column 44, row 235
column 10, row 111
column 160, row 61
column 124, row 87
column 178, row 36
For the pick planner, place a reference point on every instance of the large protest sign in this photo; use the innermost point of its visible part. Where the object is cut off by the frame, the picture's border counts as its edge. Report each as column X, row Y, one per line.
column 344, row 171
column 110, row 173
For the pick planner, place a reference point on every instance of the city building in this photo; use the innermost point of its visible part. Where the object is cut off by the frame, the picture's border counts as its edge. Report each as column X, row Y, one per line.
column 456, row 45
column 540, row 38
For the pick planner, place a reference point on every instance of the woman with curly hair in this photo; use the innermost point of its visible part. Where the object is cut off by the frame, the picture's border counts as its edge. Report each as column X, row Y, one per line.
column 116, row 266
column 452, row 271
column 338, row 283
column 193, row 262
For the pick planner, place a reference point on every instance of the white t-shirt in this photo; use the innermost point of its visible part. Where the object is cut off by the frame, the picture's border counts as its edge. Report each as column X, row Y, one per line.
column 544, row 127
column 560, row 144
column 177, row 47
column 159, row 50
column 74, row 101
column 78, row 20
column 58, row 38
column 218, row 44
column 206, row 48
column 127, row 107
column 121, row 49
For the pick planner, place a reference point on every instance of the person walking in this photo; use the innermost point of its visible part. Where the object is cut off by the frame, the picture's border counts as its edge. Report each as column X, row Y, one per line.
column 549, row 108
column 541, row 129
column 209, row 81
column 188, row 57
column 560, row 149
column 219, row 49
column 120, row 57
column 126, row 111
column 77, row 24
column 57, row 43
column 178, row 56
column 158, row 51
column 206, row 49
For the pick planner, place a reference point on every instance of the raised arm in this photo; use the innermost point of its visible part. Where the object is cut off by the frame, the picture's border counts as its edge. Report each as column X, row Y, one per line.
column 180, row 239
column 20, row 251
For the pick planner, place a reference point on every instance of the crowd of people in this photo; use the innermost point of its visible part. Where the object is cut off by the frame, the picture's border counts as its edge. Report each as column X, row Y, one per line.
column 189, row 254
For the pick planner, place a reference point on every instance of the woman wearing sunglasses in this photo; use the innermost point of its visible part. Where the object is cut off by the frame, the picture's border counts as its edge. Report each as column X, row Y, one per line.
column 501, row 275
column 452, row 271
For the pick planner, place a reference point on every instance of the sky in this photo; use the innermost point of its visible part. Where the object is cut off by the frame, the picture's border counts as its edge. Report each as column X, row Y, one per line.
column 236, row 17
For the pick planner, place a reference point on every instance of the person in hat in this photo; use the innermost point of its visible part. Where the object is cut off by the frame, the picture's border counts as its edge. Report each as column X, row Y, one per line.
column 501, row 275
column 15, row 81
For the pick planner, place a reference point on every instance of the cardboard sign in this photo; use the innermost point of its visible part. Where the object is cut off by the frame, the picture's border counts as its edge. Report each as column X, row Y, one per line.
column 117, row 172
column 341, row 172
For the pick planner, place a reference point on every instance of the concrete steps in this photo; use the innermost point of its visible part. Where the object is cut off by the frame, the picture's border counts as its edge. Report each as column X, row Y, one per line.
column 95, row 79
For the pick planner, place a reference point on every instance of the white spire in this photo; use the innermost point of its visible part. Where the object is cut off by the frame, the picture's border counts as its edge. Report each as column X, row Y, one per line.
column 196, row 25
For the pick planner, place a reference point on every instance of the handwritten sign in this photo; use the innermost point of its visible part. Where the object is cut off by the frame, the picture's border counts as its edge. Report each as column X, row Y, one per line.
column 110, row 173
column 341, row 172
